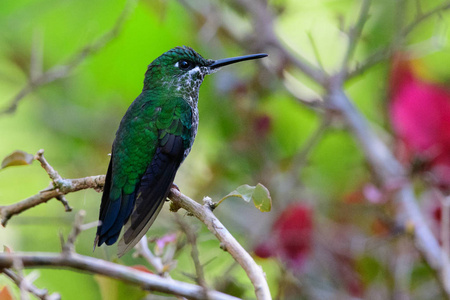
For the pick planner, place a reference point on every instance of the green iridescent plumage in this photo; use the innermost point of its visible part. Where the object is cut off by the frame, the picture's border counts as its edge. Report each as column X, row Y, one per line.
column 154, row 137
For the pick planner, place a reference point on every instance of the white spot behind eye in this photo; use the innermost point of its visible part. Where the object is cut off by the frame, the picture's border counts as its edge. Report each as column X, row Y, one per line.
column 176, row 65
column 194, row 70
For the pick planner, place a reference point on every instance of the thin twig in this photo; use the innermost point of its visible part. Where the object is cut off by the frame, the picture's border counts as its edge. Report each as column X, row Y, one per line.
column 146, row 281
column 228, row 242
column 57, row 180
column 264, row 34
column 71, row 185
column 291, row 178
column 355, row 34
column 385, row 166
column 69, row 246
column 315, row 50
column 423, row 17
column 58, row 188
column 388, row 169
column 373, row 59
column 192, row 240
column 22, row 281
column 52, row 173
column 384, row 53
column 445, row 239
column 143, row 250
column 61, row 71
column 301, row 158
column 204, row 213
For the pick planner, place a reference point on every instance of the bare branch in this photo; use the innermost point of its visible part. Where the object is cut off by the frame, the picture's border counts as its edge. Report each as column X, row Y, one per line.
column 385, row 166
column 445, row 238
column 355, row 34
column 192, row 240
column 264, row 34
column 388, row 169
column 23, row 282
column 61, row 71
column 57, row 189
column 204, row 213
column 315, row 50
column 421, row 17
column 52, row 173
column 374, row 59
column 385, row 53
column 54, row 176
column 302, row 157
column 228, row 242
column 69, row 245
column 74, row 261
column 70, row 186
column 143, row 251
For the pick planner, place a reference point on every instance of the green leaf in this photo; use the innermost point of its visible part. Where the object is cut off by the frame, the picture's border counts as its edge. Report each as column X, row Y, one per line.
column 261, row 198
column 112, row 289
column 259, row 194
column 17, row 158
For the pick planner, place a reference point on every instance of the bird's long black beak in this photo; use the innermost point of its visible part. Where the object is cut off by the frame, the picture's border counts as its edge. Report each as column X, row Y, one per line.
column 228, row 61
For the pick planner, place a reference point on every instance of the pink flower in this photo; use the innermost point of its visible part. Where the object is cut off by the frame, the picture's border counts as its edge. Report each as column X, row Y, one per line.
column 420, row 115
column 291, row 237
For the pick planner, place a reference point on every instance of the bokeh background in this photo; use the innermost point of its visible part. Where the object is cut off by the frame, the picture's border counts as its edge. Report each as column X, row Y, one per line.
column 328, row 236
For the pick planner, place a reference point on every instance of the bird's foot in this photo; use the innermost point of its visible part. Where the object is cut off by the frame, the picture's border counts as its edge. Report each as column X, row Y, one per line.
column 175, row 186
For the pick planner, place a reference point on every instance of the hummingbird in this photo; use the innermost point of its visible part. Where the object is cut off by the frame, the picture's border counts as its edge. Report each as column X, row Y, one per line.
column 154, row 137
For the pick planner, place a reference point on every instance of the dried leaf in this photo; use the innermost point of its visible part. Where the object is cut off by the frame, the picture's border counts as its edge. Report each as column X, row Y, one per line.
column 17, row 158
column 5, row 294
column 141, row 268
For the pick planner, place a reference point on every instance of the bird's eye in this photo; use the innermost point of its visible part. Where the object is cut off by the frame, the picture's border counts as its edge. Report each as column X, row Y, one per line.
column 184, row 64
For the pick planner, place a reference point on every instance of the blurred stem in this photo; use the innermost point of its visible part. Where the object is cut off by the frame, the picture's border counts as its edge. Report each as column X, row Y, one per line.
column 192, row 240
column 445, row 239
column 74, row 261
column 23, row 283
column 315, row 49
column 383, row 54
column 144, row 251
column 39, row 78
column 355, row 34
column 291, row 178
column 386, row 168
column 302, row 158
column 421, row 17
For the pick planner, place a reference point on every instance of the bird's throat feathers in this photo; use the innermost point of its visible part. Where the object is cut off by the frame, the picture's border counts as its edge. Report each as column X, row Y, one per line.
column 186, row 85
column 178, row 73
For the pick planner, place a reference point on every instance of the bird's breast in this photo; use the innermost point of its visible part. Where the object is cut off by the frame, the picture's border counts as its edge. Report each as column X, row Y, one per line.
column 194, row 127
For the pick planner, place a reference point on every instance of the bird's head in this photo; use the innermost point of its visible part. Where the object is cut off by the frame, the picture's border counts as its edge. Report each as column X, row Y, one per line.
column 181, row 70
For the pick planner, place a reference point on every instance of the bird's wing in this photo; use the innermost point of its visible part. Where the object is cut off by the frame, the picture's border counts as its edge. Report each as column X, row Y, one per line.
column 174, row 135
column 147, row 151
column 132, row 151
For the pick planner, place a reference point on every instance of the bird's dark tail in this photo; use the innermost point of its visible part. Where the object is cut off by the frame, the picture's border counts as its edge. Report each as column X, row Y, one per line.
column 154, row 188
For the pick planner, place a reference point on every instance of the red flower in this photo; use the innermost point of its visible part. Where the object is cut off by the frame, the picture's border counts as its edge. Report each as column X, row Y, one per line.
column 291, row 237
column 420, row 116
column 262, row 125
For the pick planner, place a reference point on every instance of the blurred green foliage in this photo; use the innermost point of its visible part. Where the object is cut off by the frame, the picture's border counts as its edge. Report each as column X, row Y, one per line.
column 250, row 129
